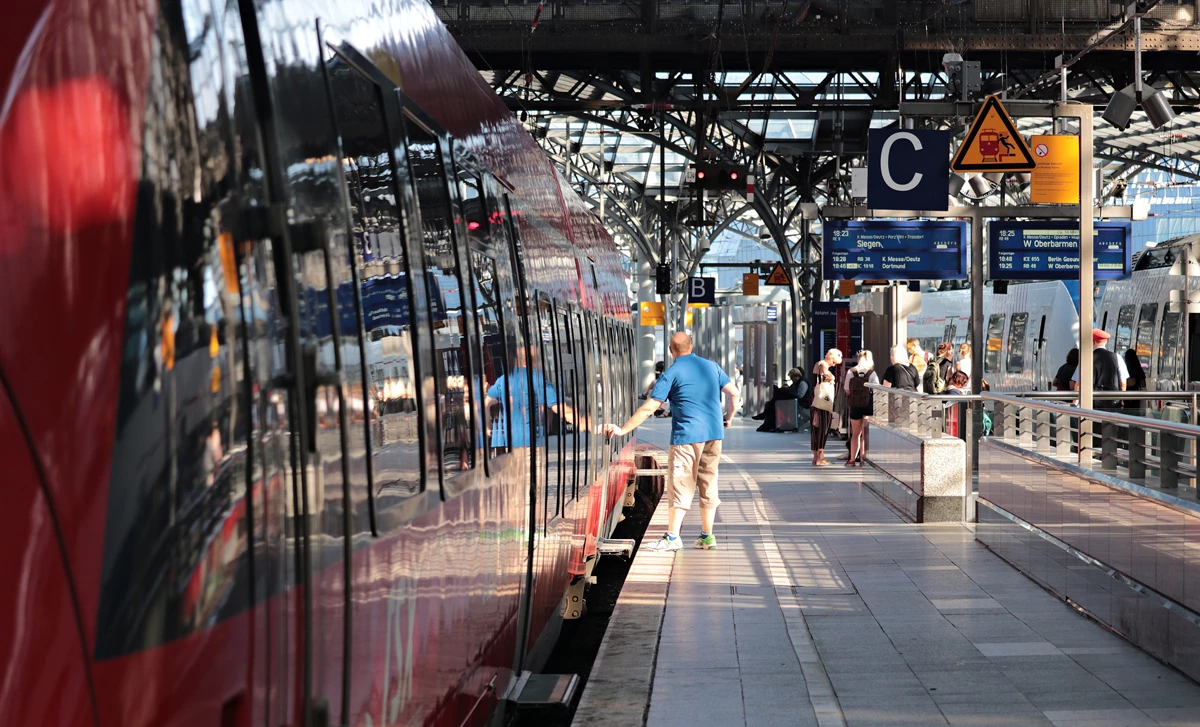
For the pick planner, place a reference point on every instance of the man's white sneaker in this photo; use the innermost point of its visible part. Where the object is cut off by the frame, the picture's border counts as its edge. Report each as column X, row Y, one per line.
column 665, row 544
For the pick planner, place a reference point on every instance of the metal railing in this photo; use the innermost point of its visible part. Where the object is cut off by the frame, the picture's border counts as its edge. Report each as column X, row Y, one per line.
column 1140, row 449
column 925, row 415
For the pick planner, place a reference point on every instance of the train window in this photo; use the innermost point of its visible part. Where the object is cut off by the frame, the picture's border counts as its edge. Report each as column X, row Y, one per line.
column 493, row 355
column 1145, row 336
column 1171, row 349
column 599, row 376
column 995, row 342
column 1104, row 323
column 552, row 414
column 570, row 384
column 489, row 324
column 1016, row 342
column 451, row 355
column 187, row 477
column 1124, row 327
column 391, row 413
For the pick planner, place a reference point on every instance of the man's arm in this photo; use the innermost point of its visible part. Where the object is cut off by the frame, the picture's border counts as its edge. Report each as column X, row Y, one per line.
column 731, row 397
column 643, row 412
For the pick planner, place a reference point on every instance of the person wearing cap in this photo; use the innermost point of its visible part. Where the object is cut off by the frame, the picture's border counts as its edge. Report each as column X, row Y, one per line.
column 795, row 390
column 1109, row 372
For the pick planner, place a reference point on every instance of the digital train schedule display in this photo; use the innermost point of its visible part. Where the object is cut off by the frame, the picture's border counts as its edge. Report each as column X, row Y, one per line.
column 1035, row 250
column 895, row 250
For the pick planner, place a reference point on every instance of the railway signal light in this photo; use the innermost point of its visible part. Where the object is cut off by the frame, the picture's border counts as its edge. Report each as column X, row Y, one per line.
column 662, row 279
column 718, row 176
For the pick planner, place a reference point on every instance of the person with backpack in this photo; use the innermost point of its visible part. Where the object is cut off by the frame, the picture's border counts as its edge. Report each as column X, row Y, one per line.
column 1108, row 371
column 938, row 373
column 862, row 404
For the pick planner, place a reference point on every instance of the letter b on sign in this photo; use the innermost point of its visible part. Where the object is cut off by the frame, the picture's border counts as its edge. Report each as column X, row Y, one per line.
column 908, row 170
column 702, row 290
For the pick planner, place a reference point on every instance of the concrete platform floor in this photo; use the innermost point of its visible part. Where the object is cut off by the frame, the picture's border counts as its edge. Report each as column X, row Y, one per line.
column 822, row 607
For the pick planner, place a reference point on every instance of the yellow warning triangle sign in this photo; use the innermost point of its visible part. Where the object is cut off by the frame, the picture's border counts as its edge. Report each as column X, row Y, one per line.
column 778, row 276
column 993, row 144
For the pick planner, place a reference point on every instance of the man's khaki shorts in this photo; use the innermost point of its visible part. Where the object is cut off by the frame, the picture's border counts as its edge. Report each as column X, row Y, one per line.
column 692, row 466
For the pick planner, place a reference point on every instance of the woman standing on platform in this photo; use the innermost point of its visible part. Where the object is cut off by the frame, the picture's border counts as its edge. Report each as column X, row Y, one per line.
column 901, row 374
column 822, row 420
column 964, row 360
column 861, row 404
column 916, row 357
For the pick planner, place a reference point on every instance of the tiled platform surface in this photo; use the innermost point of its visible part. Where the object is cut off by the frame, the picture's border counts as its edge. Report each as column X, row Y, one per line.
column 822, row 607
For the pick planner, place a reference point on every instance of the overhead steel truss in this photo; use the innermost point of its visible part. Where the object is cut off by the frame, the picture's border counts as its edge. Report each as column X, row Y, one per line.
column 624, row 95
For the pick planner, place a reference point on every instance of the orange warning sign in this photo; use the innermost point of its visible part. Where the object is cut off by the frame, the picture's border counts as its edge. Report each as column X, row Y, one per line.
column 993, row 143
column 651, row 313
column 749, row 283
column 778, row 276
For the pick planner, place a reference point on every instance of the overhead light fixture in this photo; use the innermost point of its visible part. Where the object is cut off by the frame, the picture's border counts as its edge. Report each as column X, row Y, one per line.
column 1121, row 107
column 1157, row 108
column 1025, row 178
column 1123, row 103
column 994, row 177
column 956, row 184
column 980, row 185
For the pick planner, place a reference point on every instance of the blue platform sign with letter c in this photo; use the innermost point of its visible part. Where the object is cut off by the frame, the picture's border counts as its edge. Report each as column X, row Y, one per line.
column 908, row 169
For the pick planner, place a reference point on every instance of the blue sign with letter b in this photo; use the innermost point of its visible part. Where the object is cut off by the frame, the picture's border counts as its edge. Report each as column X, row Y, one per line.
column 908, row 169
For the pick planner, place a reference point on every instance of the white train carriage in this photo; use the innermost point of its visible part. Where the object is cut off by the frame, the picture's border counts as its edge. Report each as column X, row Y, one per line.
column 1029, row 331
column 1146, row 314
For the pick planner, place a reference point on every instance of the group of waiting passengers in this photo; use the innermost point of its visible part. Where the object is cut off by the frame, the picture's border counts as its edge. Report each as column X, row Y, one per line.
column 912, row 369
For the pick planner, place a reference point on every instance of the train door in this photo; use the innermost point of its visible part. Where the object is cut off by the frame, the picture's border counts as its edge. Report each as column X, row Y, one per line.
column 311, row 261
column 1041, row 367
column 994, row 347
column 587, row 396
column 524, row 425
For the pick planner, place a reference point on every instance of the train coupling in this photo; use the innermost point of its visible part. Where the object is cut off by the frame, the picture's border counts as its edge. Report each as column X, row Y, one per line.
column 539, row 691
column 616, row 546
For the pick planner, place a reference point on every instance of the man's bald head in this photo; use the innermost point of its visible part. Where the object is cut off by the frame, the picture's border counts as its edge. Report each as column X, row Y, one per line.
column 681, row 344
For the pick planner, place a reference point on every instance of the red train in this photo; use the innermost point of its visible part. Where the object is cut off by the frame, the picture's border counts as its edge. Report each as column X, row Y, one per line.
column 304, row 353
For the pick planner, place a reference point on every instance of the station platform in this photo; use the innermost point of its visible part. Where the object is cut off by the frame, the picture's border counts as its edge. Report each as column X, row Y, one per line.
column 823, row 607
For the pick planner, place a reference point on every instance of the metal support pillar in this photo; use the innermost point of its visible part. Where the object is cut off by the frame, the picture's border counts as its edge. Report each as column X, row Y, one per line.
column 645, row 334
column 1087, row 255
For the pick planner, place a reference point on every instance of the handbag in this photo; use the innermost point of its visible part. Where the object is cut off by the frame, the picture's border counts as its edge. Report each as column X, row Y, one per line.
column 823, row 398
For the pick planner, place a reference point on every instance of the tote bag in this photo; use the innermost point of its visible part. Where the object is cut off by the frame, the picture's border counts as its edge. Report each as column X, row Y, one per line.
column 823, row 398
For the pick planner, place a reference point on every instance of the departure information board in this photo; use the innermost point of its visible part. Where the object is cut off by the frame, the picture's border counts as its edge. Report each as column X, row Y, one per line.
column 1034, row 250
column 894, row 250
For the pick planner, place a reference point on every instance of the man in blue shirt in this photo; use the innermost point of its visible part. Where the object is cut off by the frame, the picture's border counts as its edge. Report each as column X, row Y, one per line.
column 694, row 386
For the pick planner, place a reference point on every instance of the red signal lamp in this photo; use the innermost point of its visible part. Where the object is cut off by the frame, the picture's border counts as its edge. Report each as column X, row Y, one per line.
column 472, row 225
column 733, row 176
column 699, row 174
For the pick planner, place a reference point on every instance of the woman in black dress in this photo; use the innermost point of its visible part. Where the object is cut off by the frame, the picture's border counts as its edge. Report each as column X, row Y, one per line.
column 1137, row 379
column 822, row 421
column 1062, row 378
column 861, row 404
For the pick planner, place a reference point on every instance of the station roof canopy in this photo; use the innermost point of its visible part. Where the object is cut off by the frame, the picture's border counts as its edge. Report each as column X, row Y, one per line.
column 623, row 96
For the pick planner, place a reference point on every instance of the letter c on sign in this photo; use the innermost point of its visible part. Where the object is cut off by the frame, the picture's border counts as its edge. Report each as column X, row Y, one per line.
column 886, row 157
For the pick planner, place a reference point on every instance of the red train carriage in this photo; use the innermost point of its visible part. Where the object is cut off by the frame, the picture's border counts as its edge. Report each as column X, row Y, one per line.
column 304, row 354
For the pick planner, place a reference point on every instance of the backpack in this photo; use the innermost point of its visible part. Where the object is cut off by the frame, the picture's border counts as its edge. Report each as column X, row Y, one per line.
column 933, row 382
column 860, row 395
